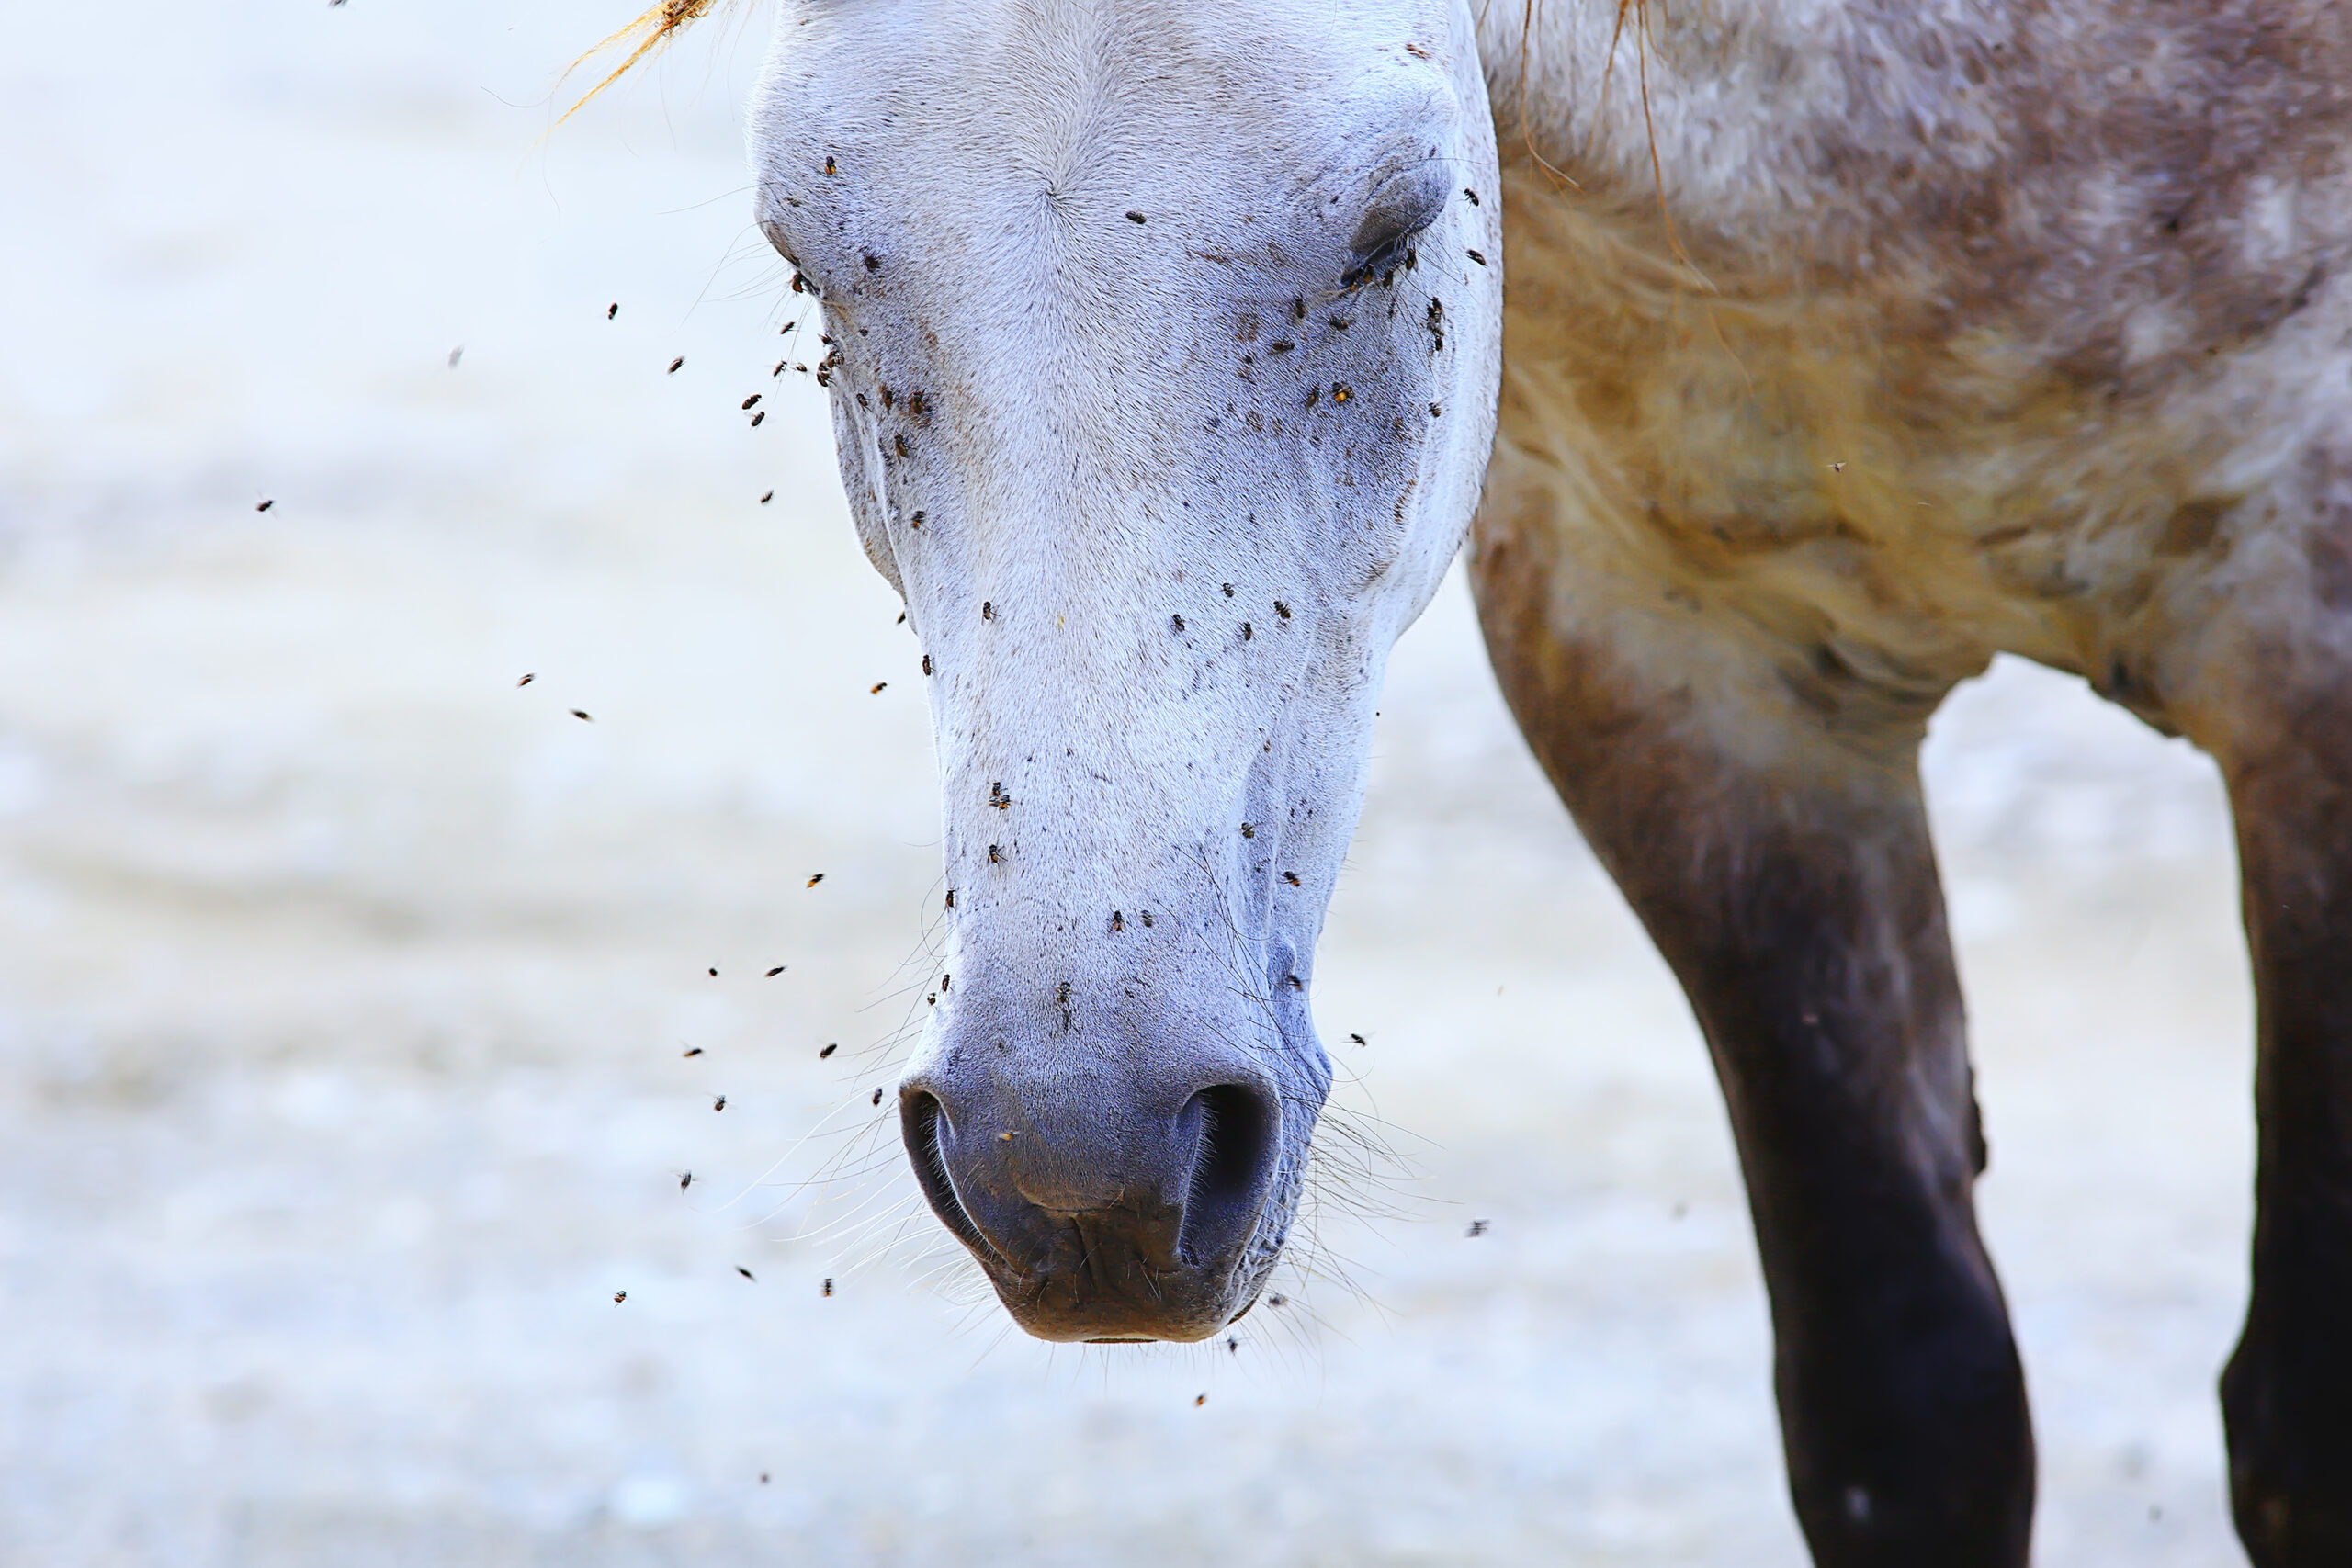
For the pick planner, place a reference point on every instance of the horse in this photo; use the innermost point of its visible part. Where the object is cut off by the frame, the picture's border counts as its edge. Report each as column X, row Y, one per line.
column 1845, row 344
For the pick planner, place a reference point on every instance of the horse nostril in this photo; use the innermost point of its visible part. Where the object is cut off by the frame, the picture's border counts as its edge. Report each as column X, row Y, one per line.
column 1232, row 1164
column 919, row 1117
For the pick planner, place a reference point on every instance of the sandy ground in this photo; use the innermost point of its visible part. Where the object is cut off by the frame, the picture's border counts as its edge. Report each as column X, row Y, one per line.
column 345, row 987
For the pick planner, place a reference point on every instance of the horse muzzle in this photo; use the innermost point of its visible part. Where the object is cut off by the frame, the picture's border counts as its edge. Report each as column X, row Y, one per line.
column 1103, row 1204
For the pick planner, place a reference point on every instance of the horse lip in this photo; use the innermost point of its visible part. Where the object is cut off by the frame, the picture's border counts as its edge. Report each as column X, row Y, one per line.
column 1051, row 1302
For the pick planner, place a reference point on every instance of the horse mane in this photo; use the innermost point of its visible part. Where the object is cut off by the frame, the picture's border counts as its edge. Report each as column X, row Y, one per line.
column 651, row 31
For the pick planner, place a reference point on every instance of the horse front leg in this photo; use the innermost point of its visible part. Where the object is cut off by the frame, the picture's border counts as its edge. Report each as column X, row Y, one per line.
column 1774, row 843
column 2287, row 1395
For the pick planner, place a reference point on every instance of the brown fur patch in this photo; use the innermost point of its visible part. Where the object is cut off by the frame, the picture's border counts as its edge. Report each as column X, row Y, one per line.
column 1995, row 314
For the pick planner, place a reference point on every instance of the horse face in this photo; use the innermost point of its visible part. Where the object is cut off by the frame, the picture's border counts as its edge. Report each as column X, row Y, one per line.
column 1164, row 342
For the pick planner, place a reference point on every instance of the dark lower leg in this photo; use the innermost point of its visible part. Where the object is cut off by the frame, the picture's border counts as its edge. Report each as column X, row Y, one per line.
column 1822, row 978
column 2287, row 1396
column 1766, row 824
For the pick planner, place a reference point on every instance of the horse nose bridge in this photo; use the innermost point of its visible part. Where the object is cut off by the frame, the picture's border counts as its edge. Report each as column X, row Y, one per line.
column 1064, row 424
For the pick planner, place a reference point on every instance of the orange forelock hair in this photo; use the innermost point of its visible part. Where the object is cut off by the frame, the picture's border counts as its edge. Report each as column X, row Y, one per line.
column 649, row 32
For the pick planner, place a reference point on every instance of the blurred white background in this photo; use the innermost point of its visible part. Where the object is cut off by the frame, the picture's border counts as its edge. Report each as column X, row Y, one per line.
column 344, row 986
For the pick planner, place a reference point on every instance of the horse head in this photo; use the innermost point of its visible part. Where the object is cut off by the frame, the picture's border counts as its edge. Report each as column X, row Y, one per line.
column 1163, row 342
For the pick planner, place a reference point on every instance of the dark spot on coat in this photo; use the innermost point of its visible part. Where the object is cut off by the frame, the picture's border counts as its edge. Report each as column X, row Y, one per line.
column 2305, row 291
column 2330, row 550
column 2191, row 528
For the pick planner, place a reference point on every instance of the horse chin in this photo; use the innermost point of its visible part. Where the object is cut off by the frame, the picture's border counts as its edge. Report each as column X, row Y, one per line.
column 1118, row 1321
column 1084, row 1306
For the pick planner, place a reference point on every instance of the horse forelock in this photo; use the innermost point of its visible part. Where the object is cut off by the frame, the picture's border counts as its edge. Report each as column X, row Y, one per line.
column 651, row 29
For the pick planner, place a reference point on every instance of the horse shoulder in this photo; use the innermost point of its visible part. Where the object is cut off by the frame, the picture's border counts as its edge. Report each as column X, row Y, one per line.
column 1988, row 340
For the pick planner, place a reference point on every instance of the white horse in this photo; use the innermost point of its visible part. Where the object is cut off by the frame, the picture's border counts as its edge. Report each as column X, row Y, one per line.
column 1847, row 343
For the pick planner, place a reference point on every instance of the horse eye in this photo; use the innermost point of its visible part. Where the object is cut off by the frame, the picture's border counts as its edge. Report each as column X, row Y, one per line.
column 1402, row 205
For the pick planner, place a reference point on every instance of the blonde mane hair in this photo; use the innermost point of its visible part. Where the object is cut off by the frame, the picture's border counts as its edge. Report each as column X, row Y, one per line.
column 651, row 31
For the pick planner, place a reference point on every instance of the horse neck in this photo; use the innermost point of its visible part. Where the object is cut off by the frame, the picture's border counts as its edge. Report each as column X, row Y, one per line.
column 1721, row 105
